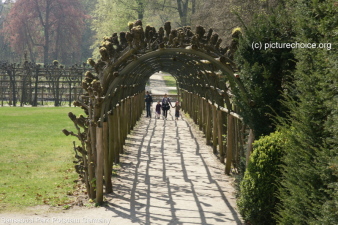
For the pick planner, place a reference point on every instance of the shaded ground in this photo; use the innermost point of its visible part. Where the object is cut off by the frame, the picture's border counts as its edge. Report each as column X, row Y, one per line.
column 167, row 176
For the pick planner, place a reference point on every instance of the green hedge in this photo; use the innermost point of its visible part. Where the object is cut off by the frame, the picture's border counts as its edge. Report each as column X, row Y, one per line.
column 258, row 188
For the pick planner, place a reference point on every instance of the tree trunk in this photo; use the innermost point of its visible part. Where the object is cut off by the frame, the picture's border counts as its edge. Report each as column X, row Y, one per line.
column 46, row 26
column 140, row 10
column 182, row 6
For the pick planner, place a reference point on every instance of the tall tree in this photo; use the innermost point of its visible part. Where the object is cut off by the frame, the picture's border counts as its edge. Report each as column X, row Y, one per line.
column 40, row 26
column 4, row 47
column 309, row 186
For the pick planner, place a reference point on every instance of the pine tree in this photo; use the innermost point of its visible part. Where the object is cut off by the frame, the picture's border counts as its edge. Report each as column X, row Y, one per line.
column 308, row 190
column 264, row 72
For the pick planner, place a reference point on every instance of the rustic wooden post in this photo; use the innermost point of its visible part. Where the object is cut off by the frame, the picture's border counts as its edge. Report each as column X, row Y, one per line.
column 99, row 165
column 214, row 129
column 192, row 107
column 137, row 105
column 107, row 164
column 204, row 101
column 220, row 135
column 131, row 106
column 42, row 89
column 123, row 123
column 111, row 140
column 200, row 112
column 122, row 118
column 125, row 120
column 187, row 104
column 208, row 123
column 116, row 135
column 118, row 128
column 2, row 91
column 141, row 103
column 251, row 139
column 75, row 93
column 195, row 102
column 132, row 111
column 191, row 110
column 236, row 141
column 128, row 116
column 184, row 101
column 230, row 143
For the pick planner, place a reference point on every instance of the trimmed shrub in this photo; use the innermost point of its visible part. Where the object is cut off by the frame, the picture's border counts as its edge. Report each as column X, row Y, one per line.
column 258, row 188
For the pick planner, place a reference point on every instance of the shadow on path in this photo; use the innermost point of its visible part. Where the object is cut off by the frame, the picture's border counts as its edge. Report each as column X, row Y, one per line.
column 169, row 176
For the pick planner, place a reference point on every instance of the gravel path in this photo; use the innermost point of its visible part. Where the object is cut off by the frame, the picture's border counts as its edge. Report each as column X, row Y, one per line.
column 170, row 176
column 157, row 85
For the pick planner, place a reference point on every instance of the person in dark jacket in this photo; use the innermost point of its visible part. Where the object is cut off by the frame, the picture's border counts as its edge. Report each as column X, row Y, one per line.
column 158, row 109
column 177, row 110
column 149, row 101
column 165, row 105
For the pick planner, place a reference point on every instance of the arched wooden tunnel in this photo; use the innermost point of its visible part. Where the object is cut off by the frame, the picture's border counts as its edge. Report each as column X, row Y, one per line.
column 115, row 96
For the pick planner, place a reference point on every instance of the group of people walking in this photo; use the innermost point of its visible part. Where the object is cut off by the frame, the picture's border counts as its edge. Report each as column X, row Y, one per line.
column 165, row 106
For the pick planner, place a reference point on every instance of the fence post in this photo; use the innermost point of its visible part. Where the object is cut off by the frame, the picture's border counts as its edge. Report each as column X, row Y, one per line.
column 220, row 135
column 230, row 143
column 107, row 164
column 200, row 112
column 208, row 123
column 116, row 135
column 204, row 105
column 119, row 130
column 214, row 129
column 111, row 129
column 99, row 166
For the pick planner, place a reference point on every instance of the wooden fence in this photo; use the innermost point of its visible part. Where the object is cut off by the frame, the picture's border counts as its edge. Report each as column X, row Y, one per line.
column 224, row 129
column 35, row 85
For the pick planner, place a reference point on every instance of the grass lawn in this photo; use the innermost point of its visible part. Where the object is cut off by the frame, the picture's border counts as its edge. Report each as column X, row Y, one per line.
column 172, row 92
column 35, row 157
column 169, row 81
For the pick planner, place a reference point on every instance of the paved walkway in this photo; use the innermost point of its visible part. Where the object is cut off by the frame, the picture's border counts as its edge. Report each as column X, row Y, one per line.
column 157, row 85
column 169, row 176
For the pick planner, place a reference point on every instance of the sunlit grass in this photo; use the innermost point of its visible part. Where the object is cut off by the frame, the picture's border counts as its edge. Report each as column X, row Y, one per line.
column 172, row 92
column 169, row 81
column 35, row 157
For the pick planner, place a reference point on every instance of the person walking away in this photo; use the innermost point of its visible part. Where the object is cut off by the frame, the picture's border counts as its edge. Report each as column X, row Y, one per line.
column 177, row 110
column 165, row 106
column 149, row 101
column 158, row 109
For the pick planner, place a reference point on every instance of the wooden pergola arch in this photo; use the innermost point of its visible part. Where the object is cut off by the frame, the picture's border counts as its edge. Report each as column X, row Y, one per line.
column 195, row 71
column 114, row 98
